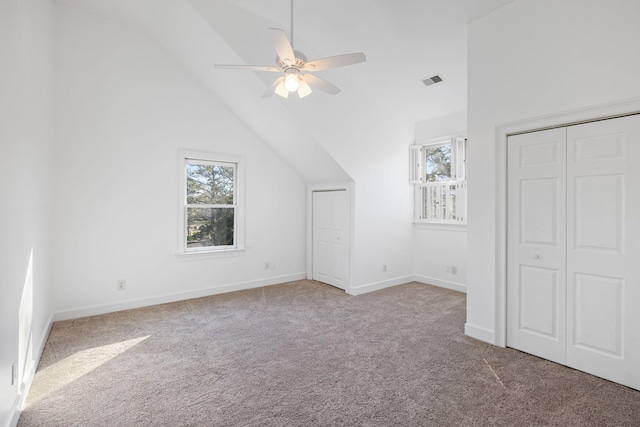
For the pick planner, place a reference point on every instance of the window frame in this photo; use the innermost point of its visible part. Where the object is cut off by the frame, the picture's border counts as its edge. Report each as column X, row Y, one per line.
column 417, row 176
column 198, row 157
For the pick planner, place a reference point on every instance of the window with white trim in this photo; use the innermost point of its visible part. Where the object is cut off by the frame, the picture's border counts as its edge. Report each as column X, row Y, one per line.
column 438, row 171
column 211, row 210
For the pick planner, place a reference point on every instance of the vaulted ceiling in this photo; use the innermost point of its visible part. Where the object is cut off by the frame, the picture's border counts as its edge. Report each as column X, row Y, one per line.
column 405, row 41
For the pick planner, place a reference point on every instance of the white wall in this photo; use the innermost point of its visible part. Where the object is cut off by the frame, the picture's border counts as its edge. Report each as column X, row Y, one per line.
column 383, row 212
column 528, row 59
column 323, row 138
column 124, row 108
column 436, row 246
column 451, row 124
column 370, row 144
column 25, row 138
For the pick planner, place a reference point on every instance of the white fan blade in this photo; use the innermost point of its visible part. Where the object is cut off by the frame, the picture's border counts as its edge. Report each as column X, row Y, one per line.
column 335, row 61
column 321, row 84
column 249, row 67
column 283, row 46
column 271, row 89
column 303, row 89
column 281, row 90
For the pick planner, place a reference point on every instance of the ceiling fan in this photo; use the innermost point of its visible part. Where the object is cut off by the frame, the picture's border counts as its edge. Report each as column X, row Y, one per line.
column 295, row 69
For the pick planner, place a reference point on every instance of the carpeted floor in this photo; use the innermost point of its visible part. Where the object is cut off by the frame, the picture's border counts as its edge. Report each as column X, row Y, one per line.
column 307, row 354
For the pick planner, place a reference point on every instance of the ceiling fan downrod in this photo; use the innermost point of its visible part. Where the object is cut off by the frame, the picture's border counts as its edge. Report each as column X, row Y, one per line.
column 291, row 27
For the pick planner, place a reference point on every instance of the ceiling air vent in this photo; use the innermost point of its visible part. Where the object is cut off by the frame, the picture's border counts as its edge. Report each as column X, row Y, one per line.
column 432, row 80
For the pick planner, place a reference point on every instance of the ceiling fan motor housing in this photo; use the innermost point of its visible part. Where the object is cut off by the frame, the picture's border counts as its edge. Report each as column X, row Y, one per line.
column 299, row 61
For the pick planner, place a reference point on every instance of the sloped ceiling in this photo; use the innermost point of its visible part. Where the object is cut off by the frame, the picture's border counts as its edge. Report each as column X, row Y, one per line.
column 405, row 41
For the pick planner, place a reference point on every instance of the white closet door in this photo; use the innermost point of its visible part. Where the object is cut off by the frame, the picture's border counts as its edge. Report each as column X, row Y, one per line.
column 330, row 233
column 536, row 264
column 603, row 249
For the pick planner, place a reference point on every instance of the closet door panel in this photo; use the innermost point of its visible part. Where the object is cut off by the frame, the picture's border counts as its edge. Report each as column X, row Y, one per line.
column 536, row 290
column 598, row 314
column 603, row 277
column 598, row 202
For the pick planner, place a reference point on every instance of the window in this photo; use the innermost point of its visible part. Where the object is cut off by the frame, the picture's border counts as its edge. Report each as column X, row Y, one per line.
column 438, row 171
column 211, row 212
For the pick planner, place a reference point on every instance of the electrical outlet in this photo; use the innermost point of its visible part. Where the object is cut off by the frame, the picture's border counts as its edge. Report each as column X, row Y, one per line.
column 447, row 268
column 454, row 269
column 122, row 285
column 269, row 265
column 384, row 268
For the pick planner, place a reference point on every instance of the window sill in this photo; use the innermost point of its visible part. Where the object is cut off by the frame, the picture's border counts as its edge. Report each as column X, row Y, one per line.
column 440, row 226
column 221, row 253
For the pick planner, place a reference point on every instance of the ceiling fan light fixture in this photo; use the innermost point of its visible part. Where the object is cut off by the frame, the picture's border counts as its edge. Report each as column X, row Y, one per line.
column 292, row 79
column 304, row 89
column 281, row 90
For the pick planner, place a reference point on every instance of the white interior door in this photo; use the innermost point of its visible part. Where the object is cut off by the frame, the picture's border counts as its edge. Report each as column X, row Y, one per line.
column 573, row 268
column 536, row 265
column 330, row 233
column 603, row 249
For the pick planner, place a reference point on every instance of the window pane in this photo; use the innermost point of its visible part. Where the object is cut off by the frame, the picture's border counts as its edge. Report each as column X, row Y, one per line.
column 452, row 192
column 438, row 163
column 210, row 227
column 210, row 184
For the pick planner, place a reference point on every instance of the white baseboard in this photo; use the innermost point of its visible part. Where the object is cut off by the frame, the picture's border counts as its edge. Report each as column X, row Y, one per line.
column 363, row 289
column 16, row 411
column 168, row 298
column 27, row 380
column 480, row 333
column 440, row 283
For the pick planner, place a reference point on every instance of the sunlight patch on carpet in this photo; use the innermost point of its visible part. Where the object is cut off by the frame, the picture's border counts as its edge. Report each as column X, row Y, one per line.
column 54, row 377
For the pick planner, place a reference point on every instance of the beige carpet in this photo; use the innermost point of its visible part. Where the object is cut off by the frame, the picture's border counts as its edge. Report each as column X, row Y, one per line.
column 307, row 354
